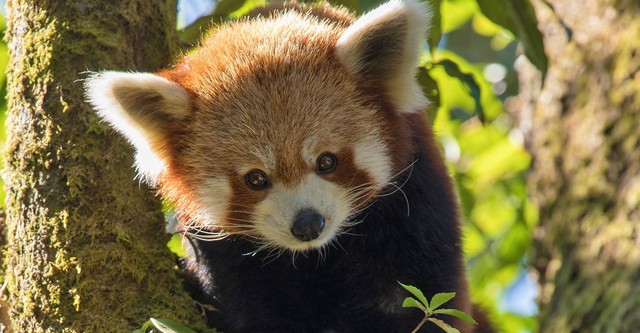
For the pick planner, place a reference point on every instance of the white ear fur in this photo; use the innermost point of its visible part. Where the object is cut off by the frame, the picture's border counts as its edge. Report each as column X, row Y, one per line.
column 384, row 44
column 139, row 106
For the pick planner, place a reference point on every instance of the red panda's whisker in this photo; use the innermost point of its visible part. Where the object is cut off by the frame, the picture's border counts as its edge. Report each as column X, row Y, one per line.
column 208, row 237
column 336, row 245
column 202, row 233
column 273, row 252
column 406, row 199
column 359, row 199
column 392, row 182
column 205, row 233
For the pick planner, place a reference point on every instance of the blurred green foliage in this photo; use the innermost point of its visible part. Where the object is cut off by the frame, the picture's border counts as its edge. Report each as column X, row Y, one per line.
column 485, row 152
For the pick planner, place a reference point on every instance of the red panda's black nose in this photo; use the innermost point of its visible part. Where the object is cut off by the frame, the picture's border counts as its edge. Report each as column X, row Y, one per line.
column 308, row 225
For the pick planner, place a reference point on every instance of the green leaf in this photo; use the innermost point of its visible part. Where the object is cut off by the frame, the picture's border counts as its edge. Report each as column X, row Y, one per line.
column 411, row 302
column 226, row 7
column 456, row 313
column 247, row 7
column 528, row 33
column 518, row 17
column 456, row 13
column 430, row 89
column 417, row 293
column 175, row 245
column 145, row 327
column 192, row 33
column 498, row 12
column 441, row 298
column 170, row 326
column 514, row 244
column 444, row 326
column 474, row 88
column 435, row 30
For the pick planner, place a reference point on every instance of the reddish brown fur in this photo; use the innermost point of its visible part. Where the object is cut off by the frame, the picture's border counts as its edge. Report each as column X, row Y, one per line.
column 253, row 75
column 349, row 175
column 322, row 10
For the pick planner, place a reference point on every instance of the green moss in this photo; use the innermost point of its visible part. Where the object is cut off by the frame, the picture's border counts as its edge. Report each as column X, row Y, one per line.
column 86, row 244
column 587, row 254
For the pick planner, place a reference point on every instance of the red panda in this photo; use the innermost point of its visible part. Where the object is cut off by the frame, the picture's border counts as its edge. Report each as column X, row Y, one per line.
column 295, row 149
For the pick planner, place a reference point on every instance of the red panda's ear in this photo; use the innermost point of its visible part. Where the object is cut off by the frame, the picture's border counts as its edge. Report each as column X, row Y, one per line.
column 141, row 107
column 384, row 45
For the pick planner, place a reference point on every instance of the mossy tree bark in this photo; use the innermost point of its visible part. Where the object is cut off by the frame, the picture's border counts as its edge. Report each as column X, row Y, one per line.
column 582, row 127
column 86, row 244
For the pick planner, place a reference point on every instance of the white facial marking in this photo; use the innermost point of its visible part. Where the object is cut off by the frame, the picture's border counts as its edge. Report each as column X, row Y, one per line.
column 308, row 150
column 275, row 214
column 213, row 198
column 372, row 155
column 267, row 158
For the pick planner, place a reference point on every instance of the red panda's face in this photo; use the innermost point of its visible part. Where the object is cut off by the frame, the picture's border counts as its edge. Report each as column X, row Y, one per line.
column 288, row 157
column 281, row 129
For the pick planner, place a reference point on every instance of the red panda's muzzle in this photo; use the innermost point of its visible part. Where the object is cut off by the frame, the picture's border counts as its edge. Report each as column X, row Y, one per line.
column 307, row 225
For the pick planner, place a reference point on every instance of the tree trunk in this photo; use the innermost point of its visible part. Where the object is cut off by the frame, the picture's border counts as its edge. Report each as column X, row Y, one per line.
column 86, row 245
column 582, row 127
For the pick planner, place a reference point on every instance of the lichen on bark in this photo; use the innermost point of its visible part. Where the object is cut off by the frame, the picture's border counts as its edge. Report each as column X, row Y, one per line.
column 582, row 127
column 86, row 244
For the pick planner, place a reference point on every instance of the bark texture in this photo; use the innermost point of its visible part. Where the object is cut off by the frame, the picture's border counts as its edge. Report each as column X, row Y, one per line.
column 86, row 244
column 582, row 127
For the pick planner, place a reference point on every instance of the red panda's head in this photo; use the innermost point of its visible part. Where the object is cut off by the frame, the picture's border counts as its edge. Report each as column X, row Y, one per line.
column 280, row 129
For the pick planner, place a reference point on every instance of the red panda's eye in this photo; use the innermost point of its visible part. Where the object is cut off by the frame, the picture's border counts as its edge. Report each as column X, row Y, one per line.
column 256, row 180
column 326, row 163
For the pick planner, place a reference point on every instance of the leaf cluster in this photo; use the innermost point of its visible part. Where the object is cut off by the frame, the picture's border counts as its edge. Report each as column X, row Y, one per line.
column 432, row 309
column 163, row 325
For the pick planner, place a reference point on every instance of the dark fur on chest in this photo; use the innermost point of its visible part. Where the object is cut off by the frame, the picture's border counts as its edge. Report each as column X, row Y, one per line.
column 409, row 236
